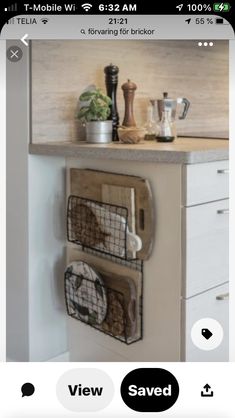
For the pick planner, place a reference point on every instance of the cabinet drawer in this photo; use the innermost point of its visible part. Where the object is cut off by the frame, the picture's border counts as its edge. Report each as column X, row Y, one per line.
column 205, row 237
column 210, row 304
column 205, row 182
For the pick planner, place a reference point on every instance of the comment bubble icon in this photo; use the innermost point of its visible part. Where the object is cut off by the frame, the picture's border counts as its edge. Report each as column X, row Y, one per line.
column 27, row 389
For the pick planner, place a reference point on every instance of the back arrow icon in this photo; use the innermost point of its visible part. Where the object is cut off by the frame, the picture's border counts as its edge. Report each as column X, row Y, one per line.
column 23, row 39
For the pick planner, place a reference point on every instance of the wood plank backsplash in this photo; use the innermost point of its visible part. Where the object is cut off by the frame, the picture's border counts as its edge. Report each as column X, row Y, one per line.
column 61, row 70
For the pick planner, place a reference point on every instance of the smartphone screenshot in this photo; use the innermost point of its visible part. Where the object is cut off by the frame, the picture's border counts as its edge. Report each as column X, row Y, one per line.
column 117, row 132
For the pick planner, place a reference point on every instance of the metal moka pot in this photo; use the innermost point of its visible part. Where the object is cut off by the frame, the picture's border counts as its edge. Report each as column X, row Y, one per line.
column 169, row 105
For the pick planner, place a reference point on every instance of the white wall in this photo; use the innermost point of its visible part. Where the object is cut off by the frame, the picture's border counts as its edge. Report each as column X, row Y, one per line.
column 17, row 334
column 36, row 319
column 47, row 319
column 2, row 201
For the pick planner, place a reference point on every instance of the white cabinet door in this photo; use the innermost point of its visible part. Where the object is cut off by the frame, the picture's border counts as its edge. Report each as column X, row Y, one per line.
column 205, row 247
column 205, row 182
column 211, row 304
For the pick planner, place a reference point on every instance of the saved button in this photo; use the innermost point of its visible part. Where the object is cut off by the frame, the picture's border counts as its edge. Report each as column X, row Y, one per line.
column 149, row 390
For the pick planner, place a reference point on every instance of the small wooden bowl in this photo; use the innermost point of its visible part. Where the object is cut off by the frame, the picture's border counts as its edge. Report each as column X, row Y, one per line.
column 131, row 135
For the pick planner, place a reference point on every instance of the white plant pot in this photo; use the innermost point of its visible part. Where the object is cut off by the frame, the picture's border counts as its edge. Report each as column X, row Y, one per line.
column 99, row 132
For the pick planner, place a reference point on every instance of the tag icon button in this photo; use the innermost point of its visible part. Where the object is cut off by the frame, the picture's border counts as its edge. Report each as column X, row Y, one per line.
column 206, row 333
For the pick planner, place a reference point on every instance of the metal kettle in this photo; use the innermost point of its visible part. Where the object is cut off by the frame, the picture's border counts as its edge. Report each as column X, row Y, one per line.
column 169, row 105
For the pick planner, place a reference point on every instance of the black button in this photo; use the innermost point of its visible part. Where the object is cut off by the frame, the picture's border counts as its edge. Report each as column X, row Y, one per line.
column 149, row 390
column 27, row 389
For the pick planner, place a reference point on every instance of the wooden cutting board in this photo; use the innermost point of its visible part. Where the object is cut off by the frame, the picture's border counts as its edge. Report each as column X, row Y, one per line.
column 88, row 184
column 120, row 278
column 122, row 196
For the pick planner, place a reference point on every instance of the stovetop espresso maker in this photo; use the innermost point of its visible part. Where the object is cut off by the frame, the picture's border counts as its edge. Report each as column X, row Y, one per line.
column 168, row 104
column 168, row 107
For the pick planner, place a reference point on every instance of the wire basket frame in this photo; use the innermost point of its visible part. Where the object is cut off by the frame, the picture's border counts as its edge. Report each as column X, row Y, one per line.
column 134, row 264
column 112, row 318
column 99, row 226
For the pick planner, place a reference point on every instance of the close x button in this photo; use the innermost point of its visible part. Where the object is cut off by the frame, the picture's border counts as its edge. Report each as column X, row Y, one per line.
column 149, row 390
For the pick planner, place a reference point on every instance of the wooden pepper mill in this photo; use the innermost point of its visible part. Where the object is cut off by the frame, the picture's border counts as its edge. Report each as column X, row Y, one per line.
column 111, row 82
column 129, row 94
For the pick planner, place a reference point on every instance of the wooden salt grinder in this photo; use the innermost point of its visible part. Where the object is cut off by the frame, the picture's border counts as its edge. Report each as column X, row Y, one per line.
column 111, row 82
column 129, row 94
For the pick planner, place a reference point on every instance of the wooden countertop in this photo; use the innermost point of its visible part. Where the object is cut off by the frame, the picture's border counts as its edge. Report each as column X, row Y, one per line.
column 182, row 151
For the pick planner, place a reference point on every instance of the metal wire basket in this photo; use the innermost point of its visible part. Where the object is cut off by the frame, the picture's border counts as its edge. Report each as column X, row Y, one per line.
column 100, row 306
column 99, row 226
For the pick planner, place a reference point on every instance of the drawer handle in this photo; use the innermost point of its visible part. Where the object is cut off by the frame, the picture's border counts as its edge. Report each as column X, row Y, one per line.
column 223, row 171
column 223, row 211
column 224, row 296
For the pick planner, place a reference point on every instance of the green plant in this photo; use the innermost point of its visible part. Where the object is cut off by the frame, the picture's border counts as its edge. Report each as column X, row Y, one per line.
column 96, row 106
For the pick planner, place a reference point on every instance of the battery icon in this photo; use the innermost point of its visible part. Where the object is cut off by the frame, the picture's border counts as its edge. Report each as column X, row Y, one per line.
column 221, row 7
column 219, row 21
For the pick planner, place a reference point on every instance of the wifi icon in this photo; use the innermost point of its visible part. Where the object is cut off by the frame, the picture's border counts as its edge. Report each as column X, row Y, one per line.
column 87, row 6
column 44, row 20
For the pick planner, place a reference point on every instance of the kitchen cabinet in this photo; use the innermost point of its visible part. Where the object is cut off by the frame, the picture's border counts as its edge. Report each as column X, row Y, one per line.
column 205, row 246
column 205, row 182
column 188, row 263
column 213, row 303
column 205, row 236
column 188, row 266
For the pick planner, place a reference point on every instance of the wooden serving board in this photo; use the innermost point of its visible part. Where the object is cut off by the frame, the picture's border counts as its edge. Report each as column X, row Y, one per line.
column 122, row 196
column 89, row 184
column 120, row 278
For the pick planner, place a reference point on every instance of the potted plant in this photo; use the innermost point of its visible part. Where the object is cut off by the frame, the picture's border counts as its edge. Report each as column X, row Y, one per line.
column 94, row 112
